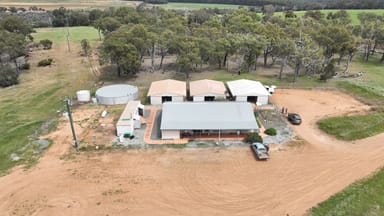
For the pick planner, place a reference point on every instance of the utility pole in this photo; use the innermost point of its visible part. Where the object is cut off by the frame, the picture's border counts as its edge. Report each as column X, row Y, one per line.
column 67, row 33
column 67, row 102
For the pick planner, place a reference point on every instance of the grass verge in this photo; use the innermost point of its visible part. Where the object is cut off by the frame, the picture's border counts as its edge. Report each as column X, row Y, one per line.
column 353, row 127
column 364, row 197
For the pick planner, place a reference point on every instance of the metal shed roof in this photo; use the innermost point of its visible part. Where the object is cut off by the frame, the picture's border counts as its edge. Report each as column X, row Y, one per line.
column 166, row 87
column 208, row 116
column 205, row 86
column 244, row 87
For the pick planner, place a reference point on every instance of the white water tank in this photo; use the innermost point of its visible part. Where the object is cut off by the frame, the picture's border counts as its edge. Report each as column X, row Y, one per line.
column 83, row 95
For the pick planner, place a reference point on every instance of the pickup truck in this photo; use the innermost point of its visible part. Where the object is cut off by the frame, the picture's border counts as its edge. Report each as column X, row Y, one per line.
column 260, row 150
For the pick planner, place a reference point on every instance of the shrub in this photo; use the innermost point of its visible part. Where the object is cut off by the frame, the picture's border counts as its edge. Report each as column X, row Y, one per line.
column 26, row 66
column 47, row 44
column 271, row 131
column 45, row 62
column 8, row 75
column 253, row 137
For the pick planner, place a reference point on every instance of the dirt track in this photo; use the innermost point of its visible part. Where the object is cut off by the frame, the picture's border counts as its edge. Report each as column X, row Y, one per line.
column 202, row 181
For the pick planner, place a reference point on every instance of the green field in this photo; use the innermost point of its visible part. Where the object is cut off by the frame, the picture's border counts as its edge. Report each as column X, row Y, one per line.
column 195, row 6
column 353, row 127
column 58, row 35
column 352, row 13
column 364, row 197
column 25, row 107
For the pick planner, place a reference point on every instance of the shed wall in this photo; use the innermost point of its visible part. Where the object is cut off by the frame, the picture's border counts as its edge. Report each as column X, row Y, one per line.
column 121, row 129
column 263, row 100
column 241, row 98
column 177, row 98
column 170, row 134
column 155, row 100
column 198, row 98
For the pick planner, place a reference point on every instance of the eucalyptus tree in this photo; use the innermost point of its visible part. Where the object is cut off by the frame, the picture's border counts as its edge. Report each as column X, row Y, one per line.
column 117, row 50
column 371, row 31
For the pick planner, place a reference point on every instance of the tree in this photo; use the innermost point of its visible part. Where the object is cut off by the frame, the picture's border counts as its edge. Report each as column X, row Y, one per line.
column 107, row 25
column 289, row 14
column 165, row 42
column 333, row 39
column 371, row 32
column 85, row 46
column 187, row 55
column 118, row 51
column 314, row 14
column 17, row 25
column 329, row 71
column 284, row 49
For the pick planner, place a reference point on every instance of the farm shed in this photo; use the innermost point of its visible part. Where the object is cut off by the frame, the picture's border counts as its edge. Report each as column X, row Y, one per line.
column 207, row 90
column 116, row 94
column 248, row 90
column 130, row 119
column 207, row 119
column 168, row 90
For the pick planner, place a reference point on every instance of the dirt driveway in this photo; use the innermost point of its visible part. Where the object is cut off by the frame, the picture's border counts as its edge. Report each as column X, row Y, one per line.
column 198, row 181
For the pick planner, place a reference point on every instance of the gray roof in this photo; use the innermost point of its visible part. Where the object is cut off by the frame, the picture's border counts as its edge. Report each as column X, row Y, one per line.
column 208, row 116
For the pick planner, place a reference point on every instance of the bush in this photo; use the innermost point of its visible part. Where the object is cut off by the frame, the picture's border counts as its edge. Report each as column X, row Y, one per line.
column 26, row 66
column 47, row 44
column 8, row 75
column 45, row 62
column 271, row 131
column 253, row 137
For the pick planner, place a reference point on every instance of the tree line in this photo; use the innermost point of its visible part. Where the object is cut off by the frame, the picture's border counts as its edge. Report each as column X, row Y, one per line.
column 289, row 4
column 14, row 35
column 316, row 44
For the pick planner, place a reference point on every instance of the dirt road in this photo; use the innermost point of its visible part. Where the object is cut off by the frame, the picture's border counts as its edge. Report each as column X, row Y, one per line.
column 201, row 181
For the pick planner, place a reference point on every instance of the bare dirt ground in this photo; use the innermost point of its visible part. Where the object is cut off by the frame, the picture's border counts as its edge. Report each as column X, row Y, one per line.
column 197, row 181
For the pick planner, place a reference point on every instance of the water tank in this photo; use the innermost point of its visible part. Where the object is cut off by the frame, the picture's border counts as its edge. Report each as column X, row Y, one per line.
column 83, row 95
column 116, row 94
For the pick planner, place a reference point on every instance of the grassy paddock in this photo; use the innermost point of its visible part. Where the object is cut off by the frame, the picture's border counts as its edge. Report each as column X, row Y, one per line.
column 353, row 127
column 352, row 13
column 196, row 6
column 26, row 106
column 58, row 35
column 364, row 197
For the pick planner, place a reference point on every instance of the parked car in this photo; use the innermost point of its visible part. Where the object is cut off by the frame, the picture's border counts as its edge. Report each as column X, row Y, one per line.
column 260, row 150
column 294, row 118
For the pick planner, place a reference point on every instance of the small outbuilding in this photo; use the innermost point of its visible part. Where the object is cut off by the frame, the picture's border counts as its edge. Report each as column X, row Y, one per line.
column 168, row 90
column 207, row 90
column 116, row 94
column 248, row 90
column 130, row 119
column 206, row 119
